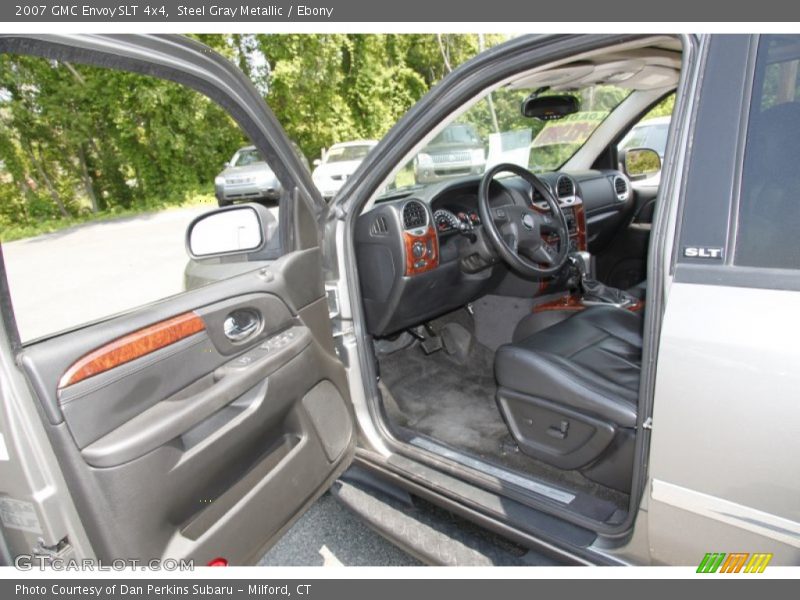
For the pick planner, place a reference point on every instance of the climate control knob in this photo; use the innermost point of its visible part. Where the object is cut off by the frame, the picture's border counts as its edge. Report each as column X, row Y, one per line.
column 418, row 249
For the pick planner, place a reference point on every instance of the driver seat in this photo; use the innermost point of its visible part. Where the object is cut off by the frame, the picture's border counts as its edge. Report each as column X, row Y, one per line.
column 569, row 393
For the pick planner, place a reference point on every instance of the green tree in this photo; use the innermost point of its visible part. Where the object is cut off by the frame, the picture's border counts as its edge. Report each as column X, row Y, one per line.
column 78, row 140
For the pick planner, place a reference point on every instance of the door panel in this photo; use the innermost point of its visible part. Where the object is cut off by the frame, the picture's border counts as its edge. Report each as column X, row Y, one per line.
column 180, row 432
column 623, row 264
column 645, row 195
column 199, row 448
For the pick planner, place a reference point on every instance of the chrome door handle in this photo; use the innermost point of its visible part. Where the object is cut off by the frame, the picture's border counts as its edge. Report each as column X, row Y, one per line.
column 241, row 324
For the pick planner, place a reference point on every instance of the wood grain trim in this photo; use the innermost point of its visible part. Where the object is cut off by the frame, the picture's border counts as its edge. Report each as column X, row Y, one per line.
column 572, row 302
column 429, row 239
column 566, row 302
column 133, row 346
column 580, row 222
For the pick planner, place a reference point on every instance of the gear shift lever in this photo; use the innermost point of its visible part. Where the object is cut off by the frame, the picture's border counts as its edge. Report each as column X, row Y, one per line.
column 582, row 261
column 591, row 290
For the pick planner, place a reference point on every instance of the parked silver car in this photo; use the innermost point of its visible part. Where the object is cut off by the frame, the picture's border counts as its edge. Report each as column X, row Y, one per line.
column 247, row 177
column 456, row 151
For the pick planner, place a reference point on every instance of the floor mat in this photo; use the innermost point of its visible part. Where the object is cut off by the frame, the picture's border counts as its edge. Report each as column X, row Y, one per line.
column 453, row 402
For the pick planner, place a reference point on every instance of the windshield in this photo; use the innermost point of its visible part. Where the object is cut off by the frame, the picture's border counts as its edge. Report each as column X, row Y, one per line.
column 494, row 131
column 246, row 157
column 343, row 153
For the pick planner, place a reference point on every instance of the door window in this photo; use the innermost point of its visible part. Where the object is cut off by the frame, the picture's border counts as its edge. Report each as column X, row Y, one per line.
column 101, row 172
column 769, row 209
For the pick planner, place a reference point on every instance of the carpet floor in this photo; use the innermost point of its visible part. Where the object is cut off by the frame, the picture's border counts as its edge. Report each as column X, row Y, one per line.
column 453, row 402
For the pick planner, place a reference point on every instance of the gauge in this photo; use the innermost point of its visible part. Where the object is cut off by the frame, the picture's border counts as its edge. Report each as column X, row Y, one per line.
column 445, row 221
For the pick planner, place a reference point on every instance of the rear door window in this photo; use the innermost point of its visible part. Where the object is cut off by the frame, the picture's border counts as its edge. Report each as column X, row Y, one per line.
column 769, row 204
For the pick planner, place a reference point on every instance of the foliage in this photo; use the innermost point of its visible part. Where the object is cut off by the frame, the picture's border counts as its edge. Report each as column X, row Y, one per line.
column 642, row 162
column 79, row 141
column 662, row 109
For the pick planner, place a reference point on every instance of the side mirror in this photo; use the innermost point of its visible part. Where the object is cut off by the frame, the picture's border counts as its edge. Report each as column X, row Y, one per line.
column 226, row 164
column 225, row 231
column 640, row 163
column 317, row 162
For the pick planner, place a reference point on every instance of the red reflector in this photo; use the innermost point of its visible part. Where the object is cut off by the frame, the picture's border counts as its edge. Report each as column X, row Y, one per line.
column 218, row 562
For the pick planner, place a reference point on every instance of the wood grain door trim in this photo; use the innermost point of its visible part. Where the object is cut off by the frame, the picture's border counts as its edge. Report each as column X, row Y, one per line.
column 132, row 346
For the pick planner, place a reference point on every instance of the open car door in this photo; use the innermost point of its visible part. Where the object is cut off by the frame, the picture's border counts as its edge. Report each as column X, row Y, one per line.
column 200, row 426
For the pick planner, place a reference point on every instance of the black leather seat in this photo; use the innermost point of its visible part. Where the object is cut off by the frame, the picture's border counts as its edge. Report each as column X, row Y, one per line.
column 569, row 392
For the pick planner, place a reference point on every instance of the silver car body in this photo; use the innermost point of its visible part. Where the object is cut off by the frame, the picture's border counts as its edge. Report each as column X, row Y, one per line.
column 240, row 182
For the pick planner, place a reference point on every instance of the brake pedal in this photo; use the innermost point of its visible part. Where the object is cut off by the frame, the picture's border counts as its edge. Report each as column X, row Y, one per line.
column 431, row 344
column 429, row 340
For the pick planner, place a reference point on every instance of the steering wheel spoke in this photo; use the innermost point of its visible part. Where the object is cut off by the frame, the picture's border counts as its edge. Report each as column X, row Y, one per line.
column 510, row 238
column 501, row 214
column 549, row 224
column 545, row 254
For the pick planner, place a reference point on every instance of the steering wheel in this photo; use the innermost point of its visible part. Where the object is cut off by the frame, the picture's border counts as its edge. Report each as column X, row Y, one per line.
column 516, row 231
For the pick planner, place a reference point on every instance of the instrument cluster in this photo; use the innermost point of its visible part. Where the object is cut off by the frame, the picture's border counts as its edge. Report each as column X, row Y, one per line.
column 447, row 221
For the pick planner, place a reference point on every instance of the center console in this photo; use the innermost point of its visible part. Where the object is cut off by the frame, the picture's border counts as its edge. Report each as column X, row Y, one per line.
column 585, row 291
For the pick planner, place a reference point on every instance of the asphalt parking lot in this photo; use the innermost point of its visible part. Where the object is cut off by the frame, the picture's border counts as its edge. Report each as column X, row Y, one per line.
column 90, row 271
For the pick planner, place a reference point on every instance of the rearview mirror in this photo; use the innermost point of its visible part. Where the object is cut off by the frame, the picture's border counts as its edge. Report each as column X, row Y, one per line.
column 229, row 230
column 640, row 163
column 550, row 108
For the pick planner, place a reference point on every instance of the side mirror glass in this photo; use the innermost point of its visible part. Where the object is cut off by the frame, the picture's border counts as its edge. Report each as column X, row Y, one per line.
column 230, row 230
column 640, row 163
column 317, row 162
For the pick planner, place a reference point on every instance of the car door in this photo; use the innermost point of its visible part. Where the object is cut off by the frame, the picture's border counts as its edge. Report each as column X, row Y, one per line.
column 725, row 451
column 199, row 426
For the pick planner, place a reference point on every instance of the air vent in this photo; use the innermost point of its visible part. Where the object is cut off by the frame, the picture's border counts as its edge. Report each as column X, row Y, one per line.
column 379, row 226
column 414, row 215
column 621, row 188
column 565, row 188
column 537, row 199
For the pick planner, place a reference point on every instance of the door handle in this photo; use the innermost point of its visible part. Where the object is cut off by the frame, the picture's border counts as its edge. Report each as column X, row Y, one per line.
column 241, row 324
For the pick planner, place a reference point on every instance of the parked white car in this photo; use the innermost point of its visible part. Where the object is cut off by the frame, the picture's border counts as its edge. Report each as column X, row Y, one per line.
column 338, row 163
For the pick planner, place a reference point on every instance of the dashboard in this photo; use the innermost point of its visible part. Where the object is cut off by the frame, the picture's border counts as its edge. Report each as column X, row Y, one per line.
column 422, row 255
